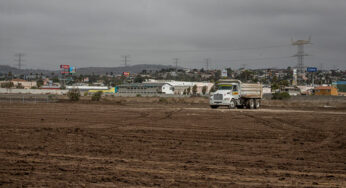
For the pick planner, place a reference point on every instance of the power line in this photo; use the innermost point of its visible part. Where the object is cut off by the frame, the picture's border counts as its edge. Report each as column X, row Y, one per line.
column 206, row 49
column 261, row 58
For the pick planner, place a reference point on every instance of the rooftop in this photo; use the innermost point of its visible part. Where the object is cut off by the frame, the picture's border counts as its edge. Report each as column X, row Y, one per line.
column 18, row 80
column 323, row 87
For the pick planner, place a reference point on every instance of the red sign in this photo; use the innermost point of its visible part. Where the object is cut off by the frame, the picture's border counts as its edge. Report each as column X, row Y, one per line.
column 126, row 74
column 64, row 66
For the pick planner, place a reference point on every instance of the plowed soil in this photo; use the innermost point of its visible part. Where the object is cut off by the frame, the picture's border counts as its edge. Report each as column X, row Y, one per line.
column 98, row 145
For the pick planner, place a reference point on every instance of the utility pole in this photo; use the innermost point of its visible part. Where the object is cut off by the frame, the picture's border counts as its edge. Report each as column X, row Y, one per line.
column 19, row 60
column 126, row 59
column 176, row 61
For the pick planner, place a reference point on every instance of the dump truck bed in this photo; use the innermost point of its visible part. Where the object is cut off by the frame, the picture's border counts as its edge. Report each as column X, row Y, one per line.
column 251, row 90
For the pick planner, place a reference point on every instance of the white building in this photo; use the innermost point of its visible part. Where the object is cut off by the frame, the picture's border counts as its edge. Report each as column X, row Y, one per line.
column 87, row 88
column 146, row 88
column 180, row 86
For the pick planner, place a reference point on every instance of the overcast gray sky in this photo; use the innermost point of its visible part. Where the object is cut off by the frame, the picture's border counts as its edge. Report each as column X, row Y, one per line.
column 232, row 33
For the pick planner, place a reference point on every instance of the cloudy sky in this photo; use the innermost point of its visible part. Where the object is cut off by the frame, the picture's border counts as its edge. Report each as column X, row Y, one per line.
column 232, row 33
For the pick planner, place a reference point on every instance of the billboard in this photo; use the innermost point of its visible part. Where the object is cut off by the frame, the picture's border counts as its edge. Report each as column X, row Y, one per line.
column 126, row 74
column 67, row 69
column 64, row 66
column 72, row 69
column 311, row 69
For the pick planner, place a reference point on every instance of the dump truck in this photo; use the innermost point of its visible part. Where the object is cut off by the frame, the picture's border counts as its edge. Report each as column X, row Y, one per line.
column 235, row 94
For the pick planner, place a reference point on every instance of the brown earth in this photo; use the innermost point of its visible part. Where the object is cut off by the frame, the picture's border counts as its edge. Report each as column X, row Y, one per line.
column 164, row 145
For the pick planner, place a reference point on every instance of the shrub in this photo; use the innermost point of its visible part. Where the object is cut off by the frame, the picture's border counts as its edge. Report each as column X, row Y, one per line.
column 20, row 86
column 52, row 97
column 194, row 90
column 204, row 90
column 73, row 95
column 188, row 91
column 281, row 96
column 138, row 95
column 86, row 93
column 96, row 96
column 163, row 100
column 7, row 85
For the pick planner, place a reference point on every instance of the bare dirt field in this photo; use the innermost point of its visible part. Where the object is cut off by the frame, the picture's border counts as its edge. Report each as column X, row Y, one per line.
column 167, row 145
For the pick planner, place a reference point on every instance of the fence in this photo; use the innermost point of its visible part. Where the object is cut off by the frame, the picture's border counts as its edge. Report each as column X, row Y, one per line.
column 33, row 91
column 26, row 98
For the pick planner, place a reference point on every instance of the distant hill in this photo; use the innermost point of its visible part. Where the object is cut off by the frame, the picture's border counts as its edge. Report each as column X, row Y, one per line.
column 4, row 69
column 119, row 70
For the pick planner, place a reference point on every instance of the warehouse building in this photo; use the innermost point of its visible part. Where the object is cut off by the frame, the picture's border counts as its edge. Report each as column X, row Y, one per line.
column 146, row 88
column 181, row 86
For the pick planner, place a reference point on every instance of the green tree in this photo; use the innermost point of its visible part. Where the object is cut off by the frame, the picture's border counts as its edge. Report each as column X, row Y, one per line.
column 212, row 89
column 55, row 79
column 39, row 82
column 229, row 72
column 10, row 74
column 188, row 91
column 96, row 96
column 246, row 75
column 74, row 95
column 7, row 85
column 20, row 86
column 139, row 79
column 204, row 90
column 194, row 90
column 217, row 75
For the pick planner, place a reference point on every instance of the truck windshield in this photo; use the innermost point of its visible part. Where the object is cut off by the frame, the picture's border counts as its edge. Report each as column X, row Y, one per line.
column 225, row 88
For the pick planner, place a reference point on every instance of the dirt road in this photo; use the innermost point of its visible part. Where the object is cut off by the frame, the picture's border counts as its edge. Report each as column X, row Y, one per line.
column 61, row 145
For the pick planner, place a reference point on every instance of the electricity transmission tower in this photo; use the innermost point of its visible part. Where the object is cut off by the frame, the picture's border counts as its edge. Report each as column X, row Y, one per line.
column 176, row 61
column 19, row 59
column 126, row 59
column 207, row 60
column 300, row 55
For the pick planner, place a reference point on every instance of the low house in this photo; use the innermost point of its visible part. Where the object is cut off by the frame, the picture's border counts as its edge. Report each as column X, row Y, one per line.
column 326, row 90
column 146, row 88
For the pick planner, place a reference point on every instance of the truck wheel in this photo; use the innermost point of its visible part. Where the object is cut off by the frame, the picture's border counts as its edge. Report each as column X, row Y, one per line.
column 232, row 104
column 250, row 103
column 257, row 103
column 214, row 106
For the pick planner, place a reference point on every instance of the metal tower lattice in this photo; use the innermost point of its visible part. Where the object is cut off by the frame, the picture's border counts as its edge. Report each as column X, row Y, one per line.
column 300, row 55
